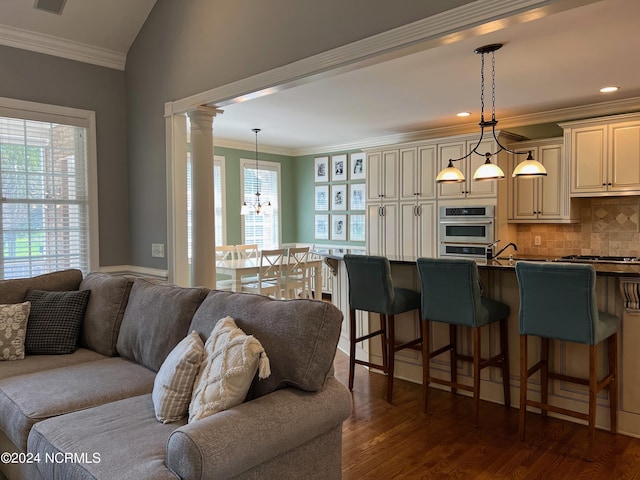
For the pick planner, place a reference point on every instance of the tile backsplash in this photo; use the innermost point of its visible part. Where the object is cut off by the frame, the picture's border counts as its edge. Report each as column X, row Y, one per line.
column 608, row 226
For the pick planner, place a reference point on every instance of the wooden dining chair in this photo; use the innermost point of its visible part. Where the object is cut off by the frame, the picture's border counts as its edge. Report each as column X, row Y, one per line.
column 224, row 253
column 269, row 274
column 249, row 250
column 296, row 274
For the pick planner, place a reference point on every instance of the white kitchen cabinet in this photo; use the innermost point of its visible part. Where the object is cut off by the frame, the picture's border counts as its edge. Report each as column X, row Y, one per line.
column 417, row 173
column 382, row 229
column 382, row 175
column 469, row 188
column 604, row 155
column 418, row 229
column 541, row 199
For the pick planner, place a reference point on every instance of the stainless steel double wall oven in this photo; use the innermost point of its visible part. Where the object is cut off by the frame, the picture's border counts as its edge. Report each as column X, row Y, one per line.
column 466, row 231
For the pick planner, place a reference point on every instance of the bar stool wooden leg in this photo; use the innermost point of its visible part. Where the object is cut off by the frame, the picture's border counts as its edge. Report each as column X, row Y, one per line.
column 504, row 351
column 612, row 350
column 391, row 354
column 352, row 346
column 425, row 362
column 544, row 373
column 593, row 390
column 477, row 342
column 453, row 341
column 523, row 386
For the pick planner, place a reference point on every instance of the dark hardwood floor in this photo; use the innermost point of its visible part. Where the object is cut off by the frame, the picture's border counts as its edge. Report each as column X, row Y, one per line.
column 398, row 441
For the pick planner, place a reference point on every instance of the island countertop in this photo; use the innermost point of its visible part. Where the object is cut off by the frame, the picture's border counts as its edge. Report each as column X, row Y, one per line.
column 621, row 269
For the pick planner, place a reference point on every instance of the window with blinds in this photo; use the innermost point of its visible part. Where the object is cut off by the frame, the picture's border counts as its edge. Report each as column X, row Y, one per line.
column 263, row 229
column 44, row 206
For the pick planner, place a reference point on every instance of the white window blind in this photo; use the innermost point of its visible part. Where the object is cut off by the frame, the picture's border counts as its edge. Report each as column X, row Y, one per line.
column 44, row 206
column 264, row 229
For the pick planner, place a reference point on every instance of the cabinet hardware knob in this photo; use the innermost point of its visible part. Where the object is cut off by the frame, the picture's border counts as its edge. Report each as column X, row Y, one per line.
column 609, row 184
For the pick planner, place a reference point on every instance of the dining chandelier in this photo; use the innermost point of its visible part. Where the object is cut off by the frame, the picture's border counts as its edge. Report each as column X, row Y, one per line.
column 488, row 170
column 256, row 207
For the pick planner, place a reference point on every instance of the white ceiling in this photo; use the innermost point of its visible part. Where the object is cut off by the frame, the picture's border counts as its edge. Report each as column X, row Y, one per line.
column 556, row 62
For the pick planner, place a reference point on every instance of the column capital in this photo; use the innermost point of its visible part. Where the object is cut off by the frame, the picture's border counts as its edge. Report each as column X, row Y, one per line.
column 204, row 111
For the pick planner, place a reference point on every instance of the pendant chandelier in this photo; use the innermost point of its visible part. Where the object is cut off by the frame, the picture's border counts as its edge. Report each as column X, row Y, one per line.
column 256, row 207
column 488, row 170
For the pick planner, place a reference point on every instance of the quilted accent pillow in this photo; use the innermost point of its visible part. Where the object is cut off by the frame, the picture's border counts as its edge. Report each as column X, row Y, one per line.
column 173, row 385
column 54, row 321
column 231, row 361
column 13, row 328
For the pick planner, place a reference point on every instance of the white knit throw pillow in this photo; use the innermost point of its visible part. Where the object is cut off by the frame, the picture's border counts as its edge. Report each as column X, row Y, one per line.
column 231, row 361
column 174, row 382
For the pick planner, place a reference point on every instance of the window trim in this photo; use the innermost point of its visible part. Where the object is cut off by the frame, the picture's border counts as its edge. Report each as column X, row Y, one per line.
column 22, row 109
column 266, row 165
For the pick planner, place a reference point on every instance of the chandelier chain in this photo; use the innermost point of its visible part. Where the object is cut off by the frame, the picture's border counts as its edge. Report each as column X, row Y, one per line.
column 482, row 88
column 493, row 85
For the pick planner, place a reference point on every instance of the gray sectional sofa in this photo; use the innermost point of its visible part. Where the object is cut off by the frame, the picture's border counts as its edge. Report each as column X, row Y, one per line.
column 89, row 414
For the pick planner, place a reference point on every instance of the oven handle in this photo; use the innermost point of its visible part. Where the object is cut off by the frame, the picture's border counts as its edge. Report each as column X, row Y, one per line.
column 466, row 222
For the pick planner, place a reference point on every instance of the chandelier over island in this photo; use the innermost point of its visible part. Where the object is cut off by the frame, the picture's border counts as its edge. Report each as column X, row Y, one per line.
column 488, row 170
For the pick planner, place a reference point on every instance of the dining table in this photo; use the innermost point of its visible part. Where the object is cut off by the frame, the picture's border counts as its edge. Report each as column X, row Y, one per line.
column 242, row 267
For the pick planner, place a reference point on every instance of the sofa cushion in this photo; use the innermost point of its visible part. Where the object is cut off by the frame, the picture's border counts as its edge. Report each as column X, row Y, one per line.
column 300, row 336
column 31, row 398
column 111, row 431
column 14, row 290
column 39, row 363
column 54, row 321
column 13, row 329
column 231, row 363
column 156, row 319
column 174, row 382
column 108, row 300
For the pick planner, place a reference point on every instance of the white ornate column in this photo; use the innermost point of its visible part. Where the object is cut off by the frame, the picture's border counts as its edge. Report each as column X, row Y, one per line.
column 203, row 272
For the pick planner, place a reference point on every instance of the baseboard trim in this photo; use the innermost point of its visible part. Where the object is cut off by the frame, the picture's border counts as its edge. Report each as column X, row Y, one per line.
column 136, row 270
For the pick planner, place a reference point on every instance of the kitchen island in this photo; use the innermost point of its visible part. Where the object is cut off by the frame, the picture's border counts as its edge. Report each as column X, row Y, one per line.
column 618, row 291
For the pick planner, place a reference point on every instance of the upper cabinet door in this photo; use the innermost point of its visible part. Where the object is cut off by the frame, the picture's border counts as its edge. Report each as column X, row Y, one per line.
column 382, row 175
column 588, row 159
column 624, row 156
column 551, row 194
column 417, row 173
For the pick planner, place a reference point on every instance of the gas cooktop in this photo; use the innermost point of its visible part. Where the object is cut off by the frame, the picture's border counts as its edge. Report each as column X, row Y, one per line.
column 599, row 258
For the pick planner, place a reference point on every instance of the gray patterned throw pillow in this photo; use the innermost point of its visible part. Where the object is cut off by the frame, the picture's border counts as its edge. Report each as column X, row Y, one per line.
column 54, row 321
column 13, row 327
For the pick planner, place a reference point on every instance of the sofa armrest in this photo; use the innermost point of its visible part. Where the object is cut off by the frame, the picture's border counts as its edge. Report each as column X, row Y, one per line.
column 232, row 441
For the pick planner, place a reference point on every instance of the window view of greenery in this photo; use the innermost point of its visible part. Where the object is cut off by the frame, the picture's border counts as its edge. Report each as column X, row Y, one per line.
column 43, row 209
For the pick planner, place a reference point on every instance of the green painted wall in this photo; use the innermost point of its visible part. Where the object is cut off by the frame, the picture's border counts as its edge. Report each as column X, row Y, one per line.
column 296, row 190
column 288, row 192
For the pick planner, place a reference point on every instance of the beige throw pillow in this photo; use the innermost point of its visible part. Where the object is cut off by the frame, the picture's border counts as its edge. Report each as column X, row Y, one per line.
column 173, row 385
column 232, row 359
column 13, row 329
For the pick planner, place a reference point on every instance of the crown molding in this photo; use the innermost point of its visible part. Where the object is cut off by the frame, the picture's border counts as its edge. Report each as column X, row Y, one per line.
column 240, row 145
column 59, row 47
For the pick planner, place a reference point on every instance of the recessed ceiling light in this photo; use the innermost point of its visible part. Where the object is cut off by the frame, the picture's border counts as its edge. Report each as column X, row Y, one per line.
column 463, row 114
column 609, row 89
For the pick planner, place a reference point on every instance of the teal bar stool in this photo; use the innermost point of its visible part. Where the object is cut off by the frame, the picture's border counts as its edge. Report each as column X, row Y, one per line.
column 558, row 301
column 451, row 294
column 371, row 290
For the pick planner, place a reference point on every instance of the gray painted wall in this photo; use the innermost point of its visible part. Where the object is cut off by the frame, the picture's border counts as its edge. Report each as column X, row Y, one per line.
column 187, row 47
column 46, row 79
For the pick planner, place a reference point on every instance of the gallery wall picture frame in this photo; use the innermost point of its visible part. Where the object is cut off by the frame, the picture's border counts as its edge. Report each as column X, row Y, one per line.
column 356, row 228
column 356, row 196
column 321, row 198
column 358, row 164
column 339, row 167
column 339, row 227
column 321, row 169
column 339, row 197
column 321, row 229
